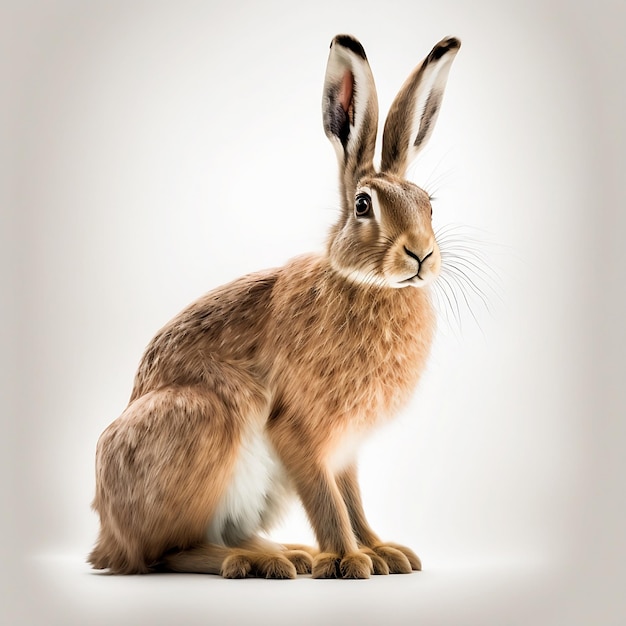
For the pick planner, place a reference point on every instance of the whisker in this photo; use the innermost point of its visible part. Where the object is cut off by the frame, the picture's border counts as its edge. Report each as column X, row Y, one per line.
column 444, row 305
column 464, row 281
column 439, row 303
column 459, row 265
column 456, row 280
column 434, row 187
column 440, row 176
column 456, row 311
column 468, row 276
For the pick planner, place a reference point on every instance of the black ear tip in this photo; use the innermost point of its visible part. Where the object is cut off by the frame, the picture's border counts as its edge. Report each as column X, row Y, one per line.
column 348, row 41
column 443, row 47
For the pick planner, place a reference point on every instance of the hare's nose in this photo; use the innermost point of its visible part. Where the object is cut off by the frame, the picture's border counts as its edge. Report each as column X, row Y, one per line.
column 416, row 257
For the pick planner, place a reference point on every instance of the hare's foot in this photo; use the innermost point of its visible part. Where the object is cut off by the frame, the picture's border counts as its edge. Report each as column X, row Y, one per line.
column 254, row 559
column 378, row 563
column 352, row 565
column 399, row 559
column 245, row 564
column 301, row 556
column 261, row 557
column 301, row 560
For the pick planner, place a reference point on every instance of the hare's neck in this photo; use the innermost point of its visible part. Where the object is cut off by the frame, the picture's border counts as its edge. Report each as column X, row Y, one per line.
column 379, row 302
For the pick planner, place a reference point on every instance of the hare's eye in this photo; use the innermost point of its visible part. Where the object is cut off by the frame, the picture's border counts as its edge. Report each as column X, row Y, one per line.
column 363, row 205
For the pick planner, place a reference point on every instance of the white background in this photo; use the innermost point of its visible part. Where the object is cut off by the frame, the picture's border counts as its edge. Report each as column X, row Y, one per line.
column 151, row 151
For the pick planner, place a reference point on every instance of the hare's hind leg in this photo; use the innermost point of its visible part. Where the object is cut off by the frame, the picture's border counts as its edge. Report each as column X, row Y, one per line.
column 163, row 466
column 255, row 557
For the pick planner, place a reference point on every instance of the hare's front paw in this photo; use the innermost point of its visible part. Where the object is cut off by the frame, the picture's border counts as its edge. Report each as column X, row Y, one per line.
column 352, row 565
column 399, row 559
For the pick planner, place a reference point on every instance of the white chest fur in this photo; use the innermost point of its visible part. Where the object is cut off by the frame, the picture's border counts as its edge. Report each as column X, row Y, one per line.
column 256, row 494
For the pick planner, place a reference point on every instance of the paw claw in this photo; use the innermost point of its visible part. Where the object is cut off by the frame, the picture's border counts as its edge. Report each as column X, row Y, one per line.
column 301, row 560
column 326, row 565
column 380, row 565
column 353, row 565
column 399, row 559
column 260, row 565
column 278, row 567
column 356, row 565
column 236, row 566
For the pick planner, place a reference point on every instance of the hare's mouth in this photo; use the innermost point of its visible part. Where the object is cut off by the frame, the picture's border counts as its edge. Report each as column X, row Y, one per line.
column 412, row 280
column 422, row 278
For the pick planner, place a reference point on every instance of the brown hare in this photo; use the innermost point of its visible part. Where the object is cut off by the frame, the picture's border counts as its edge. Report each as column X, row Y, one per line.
column 263, row 388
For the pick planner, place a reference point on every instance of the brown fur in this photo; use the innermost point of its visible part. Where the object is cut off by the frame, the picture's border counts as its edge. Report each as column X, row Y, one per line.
column 307, row 358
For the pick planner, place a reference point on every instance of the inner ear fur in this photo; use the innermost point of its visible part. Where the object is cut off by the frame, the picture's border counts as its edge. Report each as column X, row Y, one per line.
column 350, row 109
column 414, row 111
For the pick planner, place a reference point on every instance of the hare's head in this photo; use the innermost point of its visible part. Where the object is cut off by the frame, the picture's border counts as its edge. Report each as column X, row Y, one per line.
column 384, row 235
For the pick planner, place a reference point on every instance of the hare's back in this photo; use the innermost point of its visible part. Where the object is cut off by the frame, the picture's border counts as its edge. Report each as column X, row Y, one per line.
column 226, row 324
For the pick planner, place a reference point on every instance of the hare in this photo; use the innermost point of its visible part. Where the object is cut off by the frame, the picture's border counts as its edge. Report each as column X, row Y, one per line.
column 263, row 388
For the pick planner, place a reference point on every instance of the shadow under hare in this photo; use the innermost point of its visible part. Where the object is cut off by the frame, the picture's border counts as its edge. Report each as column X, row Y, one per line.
column 263, row 388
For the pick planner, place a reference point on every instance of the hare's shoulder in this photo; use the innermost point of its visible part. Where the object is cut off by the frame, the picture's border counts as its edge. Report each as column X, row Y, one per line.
column 251, row 298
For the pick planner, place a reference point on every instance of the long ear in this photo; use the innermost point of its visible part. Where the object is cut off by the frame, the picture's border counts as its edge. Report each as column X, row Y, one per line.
column 413, row 114
column 350, row 108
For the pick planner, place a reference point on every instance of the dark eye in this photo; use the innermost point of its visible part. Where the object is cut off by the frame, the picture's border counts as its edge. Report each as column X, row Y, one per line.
column 362, row 205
